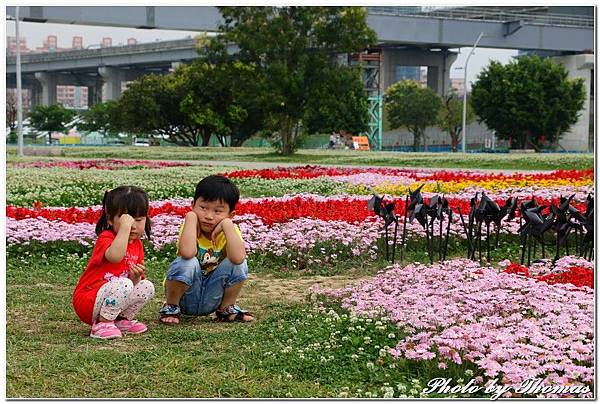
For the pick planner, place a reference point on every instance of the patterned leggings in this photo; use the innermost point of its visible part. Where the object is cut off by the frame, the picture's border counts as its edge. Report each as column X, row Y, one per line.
column 120, row 298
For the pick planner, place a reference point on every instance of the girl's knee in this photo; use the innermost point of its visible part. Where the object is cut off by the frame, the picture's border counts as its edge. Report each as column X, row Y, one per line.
column 146, row 289
column 124, row 284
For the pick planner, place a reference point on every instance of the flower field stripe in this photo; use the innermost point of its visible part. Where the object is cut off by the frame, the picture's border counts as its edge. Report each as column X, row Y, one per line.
column 104, row 164
column 511, row 326
column 270, row 210
column 414, row 174
column 396, row 181
column 295, row 236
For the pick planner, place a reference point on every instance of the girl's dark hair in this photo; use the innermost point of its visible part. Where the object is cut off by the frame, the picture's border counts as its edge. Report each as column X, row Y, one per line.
column 125, row 199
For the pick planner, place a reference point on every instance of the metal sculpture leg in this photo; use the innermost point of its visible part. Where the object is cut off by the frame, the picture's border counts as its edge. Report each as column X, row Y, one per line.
column 529, row 237
column 447, row 236
column 404, row 230
column 395, row 238
column 523, row 246
column 479, row 239
column 441, row 236
column 487, row 225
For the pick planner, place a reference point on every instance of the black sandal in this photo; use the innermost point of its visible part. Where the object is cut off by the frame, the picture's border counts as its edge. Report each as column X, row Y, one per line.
column 224, row 315
column 170, row 311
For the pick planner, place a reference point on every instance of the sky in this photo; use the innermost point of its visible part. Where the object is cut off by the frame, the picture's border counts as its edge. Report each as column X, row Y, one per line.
column 36, row 33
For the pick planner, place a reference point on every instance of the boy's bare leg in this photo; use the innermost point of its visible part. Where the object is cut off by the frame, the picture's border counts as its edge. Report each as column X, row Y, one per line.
column 174, row 290
column 230, row 296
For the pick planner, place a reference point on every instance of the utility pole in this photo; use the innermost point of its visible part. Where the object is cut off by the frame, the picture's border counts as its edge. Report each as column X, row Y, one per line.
column 464, row 115
column 19, row 92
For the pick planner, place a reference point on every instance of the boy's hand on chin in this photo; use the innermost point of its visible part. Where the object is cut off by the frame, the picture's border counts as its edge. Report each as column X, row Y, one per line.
column 219, row 229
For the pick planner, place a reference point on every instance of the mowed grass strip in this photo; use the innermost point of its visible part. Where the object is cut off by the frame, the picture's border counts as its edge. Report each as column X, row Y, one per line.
column 497, row 161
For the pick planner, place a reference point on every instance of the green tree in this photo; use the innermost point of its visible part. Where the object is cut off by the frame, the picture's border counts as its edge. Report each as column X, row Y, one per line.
column 450, row 117
column 293, row 50
column 410, row 105
column 152, row 105
column 527, row 100
column 50, row 118
column 102, row 117
column 221, row 100
column 326, row 114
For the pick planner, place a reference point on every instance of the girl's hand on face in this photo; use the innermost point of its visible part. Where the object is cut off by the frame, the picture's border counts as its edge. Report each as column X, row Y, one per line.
column 126, row 221
column 136, row 272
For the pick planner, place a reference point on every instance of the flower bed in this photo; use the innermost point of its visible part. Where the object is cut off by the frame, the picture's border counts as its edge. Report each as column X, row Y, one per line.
column 512, row 327
column 267, row 219
column 105, row 164
column 509, row 323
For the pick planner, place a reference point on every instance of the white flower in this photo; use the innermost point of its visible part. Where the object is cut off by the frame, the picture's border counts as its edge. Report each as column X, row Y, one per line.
column 388, row 392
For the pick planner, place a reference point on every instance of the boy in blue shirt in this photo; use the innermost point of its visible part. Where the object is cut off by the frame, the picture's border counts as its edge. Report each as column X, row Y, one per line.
column 210, row 267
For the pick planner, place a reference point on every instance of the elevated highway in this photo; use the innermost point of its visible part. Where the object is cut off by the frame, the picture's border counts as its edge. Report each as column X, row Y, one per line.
column 408, row 36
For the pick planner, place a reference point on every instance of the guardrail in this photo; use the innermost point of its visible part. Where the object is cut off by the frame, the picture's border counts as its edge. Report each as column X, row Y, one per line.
column 72, row 54
column 497, row 14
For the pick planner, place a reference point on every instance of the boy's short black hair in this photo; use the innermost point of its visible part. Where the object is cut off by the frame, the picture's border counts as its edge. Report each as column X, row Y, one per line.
column 217, row 187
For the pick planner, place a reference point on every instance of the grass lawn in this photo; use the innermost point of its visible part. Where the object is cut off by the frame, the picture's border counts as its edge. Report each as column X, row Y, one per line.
column 49, row 352
column 527, row 161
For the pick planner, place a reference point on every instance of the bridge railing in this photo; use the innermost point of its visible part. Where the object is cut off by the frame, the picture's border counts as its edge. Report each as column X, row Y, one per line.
column 496, row 14
column 110, row 51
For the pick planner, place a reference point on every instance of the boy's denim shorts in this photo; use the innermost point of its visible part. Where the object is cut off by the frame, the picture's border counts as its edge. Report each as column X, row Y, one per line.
column 205, row 291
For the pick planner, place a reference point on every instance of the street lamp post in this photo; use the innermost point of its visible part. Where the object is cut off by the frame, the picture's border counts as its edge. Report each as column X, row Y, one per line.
column 464, row 115
column 19, row 92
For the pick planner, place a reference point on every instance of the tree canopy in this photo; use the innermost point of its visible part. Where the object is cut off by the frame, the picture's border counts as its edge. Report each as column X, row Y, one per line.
column 151, row 104
column 221, row 99
column 410, row 105
column 103, row 117
column 293, row 51
column 527, row 101
column 450, row 117
column 193, row 103
column 50, row 118
column 324, row 111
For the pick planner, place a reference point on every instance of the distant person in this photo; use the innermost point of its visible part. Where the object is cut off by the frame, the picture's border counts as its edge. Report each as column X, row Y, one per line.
column 332, row 141
column 113, row 288
column 210, row 269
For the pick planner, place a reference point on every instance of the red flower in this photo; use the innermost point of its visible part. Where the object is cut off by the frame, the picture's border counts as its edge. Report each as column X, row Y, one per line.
column 577, row 276
column 308, row 171
column 514, row 268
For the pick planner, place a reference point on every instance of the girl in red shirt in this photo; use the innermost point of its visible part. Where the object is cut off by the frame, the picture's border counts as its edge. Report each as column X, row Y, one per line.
column 113, row 288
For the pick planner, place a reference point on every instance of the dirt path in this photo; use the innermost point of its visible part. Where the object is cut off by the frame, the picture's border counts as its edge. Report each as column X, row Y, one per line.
column 262, row 289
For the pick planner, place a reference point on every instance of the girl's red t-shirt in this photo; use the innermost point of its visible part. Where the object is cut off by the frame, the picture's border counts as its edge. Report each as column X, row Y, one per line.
column 100, row 270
